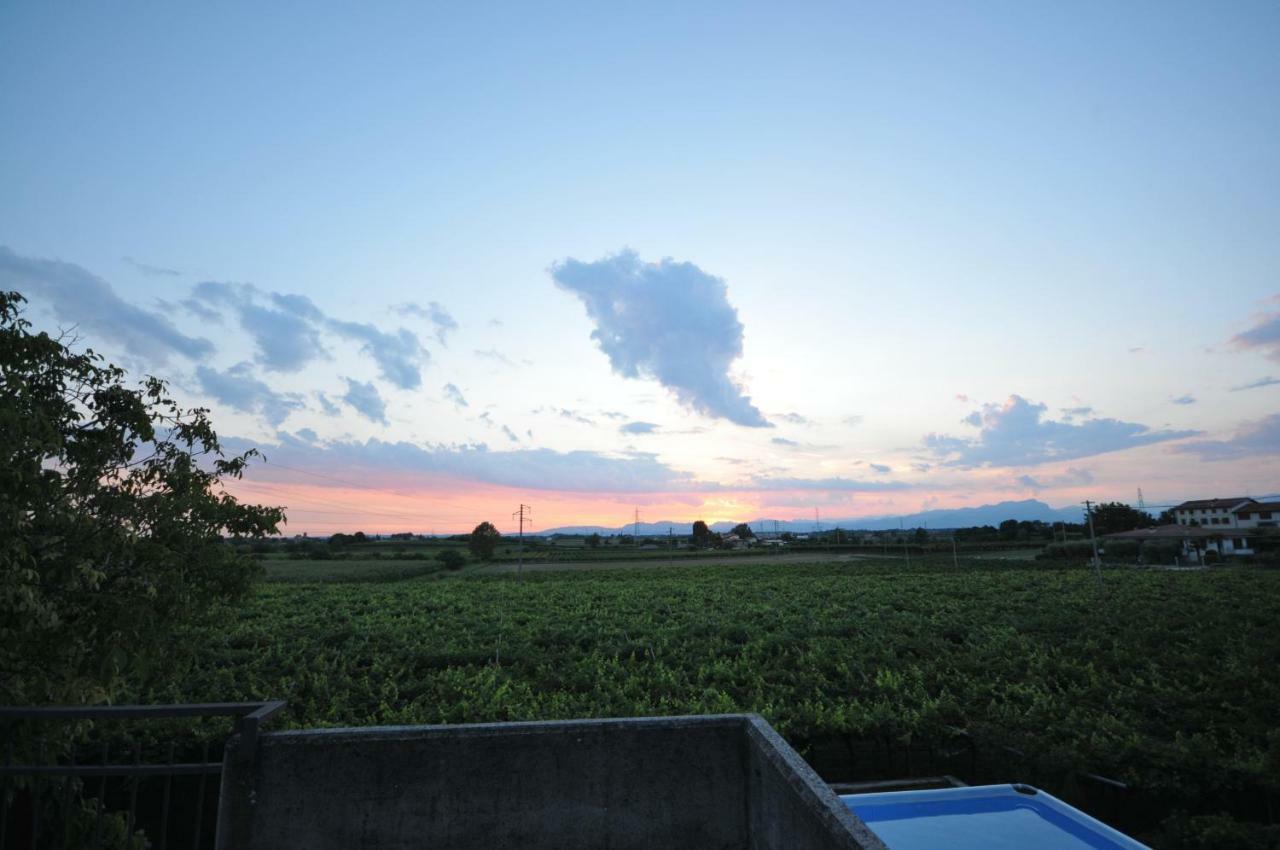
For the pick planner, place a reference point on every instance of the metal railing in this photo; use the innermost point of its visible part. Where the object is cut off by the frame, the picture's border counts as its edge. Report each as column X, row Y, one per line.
column 75, row 773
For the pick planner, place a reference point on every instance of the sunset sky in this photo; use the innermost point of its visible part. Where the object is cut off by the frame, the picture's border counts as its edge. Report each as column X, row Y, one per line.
column 718, row 261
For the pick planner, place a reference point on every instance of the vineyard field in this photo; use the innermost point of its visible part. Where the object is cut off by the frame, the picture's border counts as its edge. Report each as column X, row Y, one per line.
column 1163, row 680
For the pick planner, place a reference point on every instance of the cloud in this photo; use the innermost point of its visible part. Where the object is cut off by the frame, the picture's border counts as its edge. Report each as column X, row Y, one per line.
column 288, row 332
column 286, row 339
column 880, row 468
column 783, row 441
column 1072, row 477
column 1264, row 336
column 78, row 297
column 669, row 321
column 326, row 406
column 398, row 355
column 151, row 271
column 852, row 420
column 495, row 354
column 1069, row 413
column 201, row 311
column 531, row 469
column 1017, row 434
column 1184, row 399
column 847, row 485
column 567, row 413
column 455, row 395
column 434, row 313
column 1253, row 385
column 238, row 388
column 793, row 418
column 1252, row 439
column 511, row 435
column 364, row 398
column 638, row 428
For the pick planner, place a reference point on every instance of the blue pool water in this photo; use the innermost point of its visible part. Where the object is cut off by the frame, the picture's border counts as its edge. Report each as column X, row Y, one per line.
column 985, row 817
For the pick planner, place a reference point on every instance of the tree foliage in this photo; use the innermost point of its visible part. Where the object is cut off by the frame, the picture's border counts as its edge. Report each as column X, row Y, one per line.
column 112, row 518
column 483, row 540
column 743, row 531
column 702, row 535
column 1112, row 517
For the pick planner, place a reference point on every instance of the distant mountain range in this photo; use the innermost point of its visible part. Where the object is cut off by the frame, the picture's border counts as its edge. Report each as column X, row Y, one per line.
column 1027, row 509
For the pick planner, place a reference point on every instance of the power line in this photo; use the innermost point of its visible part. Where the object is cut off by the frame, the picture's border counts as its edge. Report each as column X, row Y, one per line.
column 522, row 514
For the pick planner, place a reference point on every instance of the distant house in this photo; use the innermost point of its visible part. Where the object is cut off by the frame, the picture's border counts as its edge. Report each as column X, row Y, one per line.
column 1258, row 515
column 1213, row 513
column 1195, row 540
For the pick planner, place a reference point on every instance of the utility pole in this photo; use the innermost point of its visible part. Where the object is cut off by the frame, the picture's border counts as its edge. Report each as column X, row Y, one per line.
column 906, row 550
column 955, row 558
column 522, row 514
column 635, row 531
column 1097, row 563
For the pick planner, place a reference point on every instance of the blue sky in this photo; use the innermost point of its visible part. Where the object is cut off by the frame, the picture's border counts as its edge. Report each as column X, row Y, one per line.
column 1064, row 214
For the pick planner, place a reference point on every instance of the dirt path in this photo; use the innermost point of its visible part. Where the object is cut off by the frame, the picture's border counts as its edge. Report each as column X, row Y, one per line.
column 683, row 561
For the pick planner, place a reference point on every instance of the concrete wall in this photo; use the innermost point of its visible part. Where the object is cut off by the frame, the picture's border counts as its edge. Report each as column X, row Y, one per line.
column 714, row 783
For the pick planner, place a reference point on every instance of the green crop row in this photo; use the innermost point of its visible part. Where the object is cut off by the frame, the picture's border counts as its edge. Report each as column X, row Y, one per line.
column 1164, row 680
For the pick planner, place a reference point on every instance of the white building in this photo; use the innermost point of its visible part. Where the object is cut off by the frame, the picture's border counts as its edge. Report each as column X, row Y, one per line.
column 1212, row 513
column 1194, row 540
column 1258, row 515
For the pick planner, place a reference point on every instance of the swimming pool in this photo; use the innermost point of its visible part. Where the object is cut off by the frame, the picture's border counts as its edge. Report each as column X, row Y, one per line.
column 983, row 817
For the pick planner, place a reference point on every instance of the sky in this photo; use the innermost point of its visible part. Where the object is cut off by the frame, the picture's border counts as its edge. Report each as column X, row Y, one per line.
column 718, row 261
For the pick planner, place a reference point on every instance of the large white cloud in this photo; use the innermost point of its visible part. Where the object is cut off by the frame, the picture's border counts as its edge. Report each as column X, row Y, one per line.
column 1016, row 433
column 81, row 298
column 669, row 321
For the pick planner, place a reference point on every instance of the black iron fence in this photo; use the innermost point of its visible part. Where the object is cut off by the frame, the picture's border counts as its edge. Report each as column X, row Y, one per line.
column 73, row 776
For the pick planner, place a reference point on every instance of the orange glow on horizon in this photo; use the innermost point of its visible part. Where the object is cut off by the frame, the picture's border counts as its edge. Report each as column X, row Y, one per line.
column 443, row 506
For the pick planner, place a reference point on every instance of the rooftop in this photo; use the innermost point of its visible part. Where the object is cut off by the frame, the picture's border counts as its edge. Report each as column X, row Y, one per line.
column 1218, row 503
column 1253, row 507
column 1169, row 532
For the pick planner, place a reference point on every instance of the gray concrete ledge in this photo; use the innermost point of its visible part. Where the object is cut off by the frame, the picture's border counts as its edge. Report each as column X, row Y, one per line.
column 717, row 781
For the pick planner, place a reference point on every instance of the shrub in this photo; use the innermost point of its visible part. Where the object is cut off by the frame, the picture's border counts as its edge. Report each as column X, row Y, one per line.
column 451, row 559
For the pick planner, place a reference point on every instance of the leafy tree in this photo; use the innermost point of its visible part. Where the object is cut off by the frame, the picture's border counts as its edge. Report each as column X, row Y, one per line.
column 112, row 517
column 593, row 541
column 743, row 531
column 1110, row 517
column 702, row 535
column 922, row 536
column 483, row 541
column 1009, row 529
